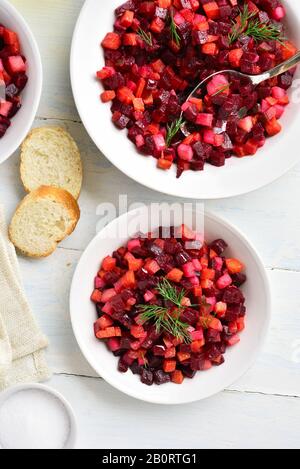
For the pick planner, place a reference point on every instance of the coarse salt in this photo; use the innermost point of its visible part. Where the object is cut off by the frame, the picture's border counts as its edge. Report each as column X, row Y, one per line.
column 33, row 419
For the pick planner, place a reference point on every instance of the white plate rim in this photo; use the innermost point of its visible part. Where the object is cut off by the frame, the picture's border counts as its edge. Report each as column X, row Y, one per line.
column 225, row 185
column 147, row 397
column 39, row 77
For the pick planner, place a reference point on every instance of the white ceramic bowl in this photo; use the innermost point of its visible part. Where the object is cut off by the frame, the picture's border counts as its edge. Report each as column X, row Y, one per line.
column 238, row 176
column 72, row 437
column 238, row 358
column 22, row 122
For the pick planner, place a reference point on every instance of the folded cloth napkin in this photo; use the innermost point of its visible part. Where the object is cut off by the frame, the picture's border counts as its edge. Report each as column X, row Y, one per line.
column 21, row 341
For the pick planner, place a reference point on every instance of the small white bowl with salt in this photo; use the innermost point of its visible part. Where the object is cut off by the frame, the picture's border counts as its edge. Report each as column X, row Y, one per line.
column 34, row 416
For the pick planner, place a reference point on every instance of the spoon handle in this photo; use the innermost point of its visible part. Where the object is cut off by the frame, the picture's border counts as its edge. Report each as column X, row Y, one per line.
column 279, row 69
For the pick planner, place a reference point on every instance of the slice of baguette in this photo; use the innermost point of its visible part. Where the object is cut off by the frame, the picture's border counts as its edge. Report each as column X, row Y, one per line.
column 50, row 157
column 43, row 219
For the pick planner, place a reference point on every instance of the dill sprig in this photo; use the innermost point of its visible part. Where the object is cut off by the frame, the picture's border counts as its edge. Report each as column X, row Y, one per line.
column 173, row 129
column 238, row 28
column 250, row 26
column 170, row 293
column 167, row 319
column 146, row 37
column 173, row 28
column 264, row 31
column 222, row 89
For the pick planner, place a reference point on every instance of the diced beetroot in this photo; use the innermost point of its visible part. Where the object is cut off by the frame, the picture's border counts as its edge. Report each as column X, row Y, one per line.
column 235, row 339
column 205, row 119
column 5, row 108
column 278, row 13
column 224, row 281
column 148, row 296
column 185, row 152
column 197, row 335
column 15, row 64
column 113, row 344
column 159, row 142
column 133, row 243
column 147, row 74
column 107, row 295
column 188, row 269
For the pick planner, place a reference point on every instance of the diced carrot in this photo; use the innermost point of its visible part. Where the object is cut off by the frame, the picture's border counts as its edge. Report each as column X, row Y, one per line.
column 197, row 345
column 125, row 95
column 272, row 127
column 128, row 280
column 140, row 88
column 130, row 39
column 127, row 18
column 177, row 377
column 111, row 41
column 96, row 296
column 211, row 10
column 208, row 274
column 234, row 266
column 138, row 104
column 162, row 163
column 175, row 275
column 182, row 356
column 108, row 263
column 288, row 50
column 170, row 352
column 107, row 96
column 169, row 366
column 210, row 49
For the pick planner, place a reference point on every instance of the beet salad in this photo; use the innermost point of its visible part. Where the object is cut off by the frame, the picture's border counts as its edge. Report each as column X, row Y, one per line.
column 13, row 78
column 160, row 50
column 169, row 308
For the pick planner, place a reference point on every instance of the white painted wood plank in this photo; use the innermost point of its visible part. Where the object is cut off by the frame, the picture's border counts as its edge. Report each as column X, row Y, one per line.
column 277, row 371
column 268, row 216
column 108, row 419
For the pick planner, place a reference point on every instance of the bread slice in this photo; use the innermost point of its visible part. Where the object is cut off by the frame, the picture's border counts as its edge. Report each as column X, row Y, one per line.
column 43, row 219
column 50, row 157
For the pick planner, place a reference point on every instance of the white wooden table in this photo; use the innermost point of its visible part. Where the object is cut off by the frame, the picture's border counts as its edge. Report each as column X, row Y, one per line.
column 260, row 410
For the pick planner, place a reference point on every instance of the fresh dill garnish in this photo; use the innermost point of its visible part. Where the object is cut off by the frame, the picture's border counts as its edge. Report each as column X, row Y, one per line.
column 238, row 28
column 173, row 129
column 222, row 89
column 147, row 37
column 167, row 319
column 249, row 26
column 170, row 293
column 174, row 34
column 264, row 31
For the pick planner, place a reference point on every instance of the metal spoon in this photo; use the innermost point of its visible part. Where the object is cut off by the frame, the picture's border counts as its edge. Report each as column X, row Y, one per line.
column 253, row 79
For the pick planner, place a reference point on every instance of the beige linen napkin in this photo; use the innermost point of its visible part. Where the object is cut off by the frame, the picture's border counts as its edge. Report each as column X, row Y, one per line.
column 21, row 342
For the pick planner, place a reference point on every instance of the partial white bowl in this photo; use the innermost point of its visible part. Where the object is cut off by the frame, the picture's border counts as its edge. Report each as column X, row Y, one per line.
column 237, row 359
column 72, row 436
column 31, row 95
column 238, row 176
